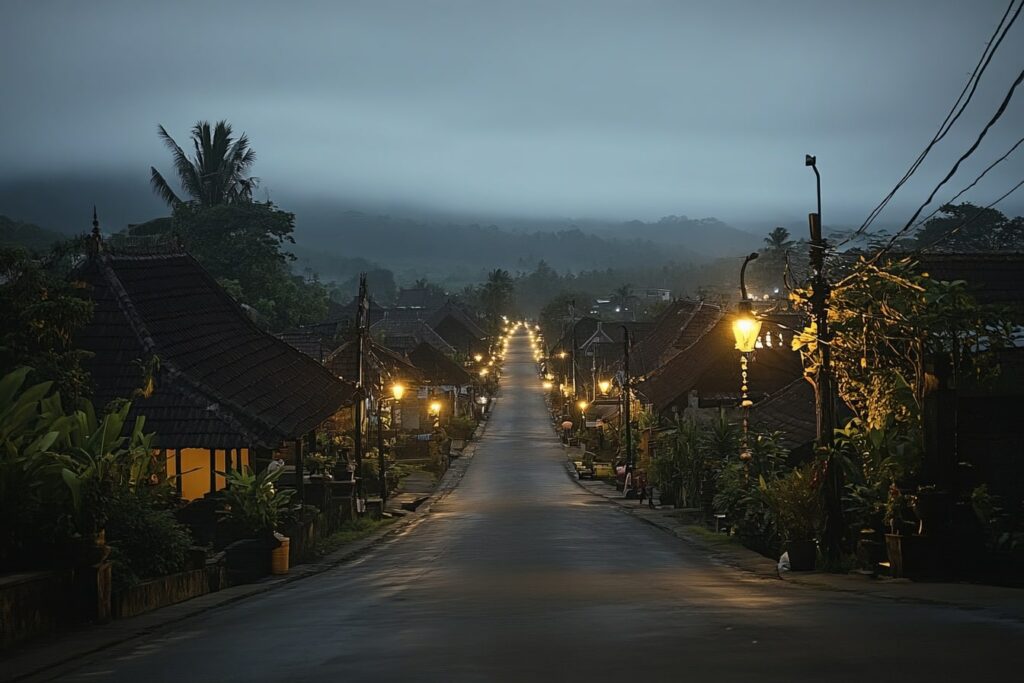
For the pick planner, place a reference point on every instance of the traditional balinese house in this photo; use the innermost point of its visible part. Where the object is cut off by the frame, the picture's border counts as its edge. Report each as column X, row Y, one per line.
column 706, row 372
column 426, row 299
column 674, row 329
column 443, row 377
column 307, row 342
column 400, row 333
column 218, row 391
column 458, row 328
column 341, row 320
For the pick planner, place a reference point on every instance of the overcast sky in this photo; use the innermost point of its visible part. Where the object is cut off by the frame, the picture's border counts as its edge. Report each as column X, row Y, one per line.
column 631, row 109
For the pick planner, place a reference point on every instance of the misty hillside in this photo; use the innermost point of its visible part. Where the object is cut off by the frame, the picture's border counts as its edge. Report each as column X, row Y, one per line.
column 427, row 249
column 26, row 235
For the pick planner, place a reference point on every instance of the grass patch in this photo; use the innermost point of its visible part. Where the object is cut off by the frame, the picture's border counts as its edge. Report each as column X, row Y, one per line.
column 352, row 530
column 710, row 537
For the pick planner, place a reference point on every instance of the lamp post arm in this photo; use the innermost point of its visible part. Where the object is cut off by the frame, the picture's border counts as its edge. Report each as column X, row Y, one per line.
column 743, row 274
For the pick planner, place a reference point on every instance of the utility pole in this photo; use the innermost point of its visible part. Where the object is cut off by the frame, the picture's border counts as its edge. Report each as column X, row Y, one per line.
column 625, row 399
column 381, row 460
column 360, row 393
column 824, row 391
column 572, row 354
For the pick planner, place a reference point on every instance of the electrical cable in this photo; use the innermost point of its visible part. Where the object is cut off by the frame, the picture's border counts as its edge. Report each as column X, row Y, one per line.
column 951, row 118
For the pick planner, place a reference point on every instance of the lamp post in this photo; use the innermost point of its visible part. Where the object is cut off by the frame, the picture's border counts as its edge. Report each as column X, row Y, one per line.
column 625, row 399
column 745, row 328
column 823, row 390
column 397, row 391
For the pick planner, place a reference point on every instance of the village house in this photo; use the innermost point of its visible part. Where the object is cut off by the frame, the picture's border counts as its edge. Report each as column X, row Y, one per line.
column 219, row 392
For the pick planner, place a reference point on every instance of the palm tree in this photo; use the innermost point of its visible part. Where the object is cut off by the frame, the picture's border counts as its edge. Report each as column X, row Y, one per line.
column 217, row 174
column 496, row 294
column 778, row 240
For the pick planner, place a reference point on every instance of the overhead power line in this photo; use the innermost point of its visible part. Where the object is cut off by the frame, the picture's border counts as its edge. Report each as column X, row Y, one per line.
column 981, row 136
column 964, row 99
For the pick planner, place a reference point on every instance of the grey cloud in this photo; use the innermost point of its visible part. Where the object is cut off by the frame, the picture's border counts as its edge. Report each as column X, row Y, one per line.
column 610, row 109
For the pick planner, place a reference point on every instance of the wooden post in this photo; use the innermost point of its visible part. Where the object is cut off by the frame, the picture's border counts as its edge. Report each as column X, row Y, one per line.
column 177, row 471
column 300, row 474
column 213, row 470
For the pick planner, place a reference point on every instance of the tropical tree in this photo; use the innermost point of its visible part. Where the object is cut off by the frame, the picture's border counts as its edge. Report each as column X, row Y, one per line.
column 966, row 227
column 778, row 240
column 217, row 174
column 496, row 294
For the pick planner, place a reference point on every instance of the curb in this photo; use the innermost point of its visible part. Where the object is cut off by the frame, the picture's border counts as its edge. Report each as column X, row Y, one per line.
column 765, row 568
column 150, row 623
column 763, row 572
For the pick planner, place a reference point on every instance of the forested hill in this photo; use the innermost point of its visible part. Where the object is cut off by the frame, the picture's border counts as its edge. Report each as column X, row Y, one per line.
column 440, row 248
column 27, row 235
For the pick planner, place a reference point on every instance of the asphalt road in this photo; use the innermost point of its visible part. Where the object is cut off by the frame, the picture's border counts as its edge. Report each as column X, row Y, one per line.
column 519, row 575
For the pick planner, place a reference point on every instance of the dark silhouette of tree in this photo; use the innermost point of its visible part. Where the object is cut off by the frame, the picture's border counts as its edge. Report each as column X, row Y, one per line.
column 496, row 294
column 778, row 240
column 217, row 174
column 966, row 227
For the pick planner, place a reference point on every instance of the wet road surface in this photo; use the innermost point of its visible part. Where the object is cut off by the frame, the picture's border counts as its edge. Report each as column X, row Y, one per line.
column 519, row 575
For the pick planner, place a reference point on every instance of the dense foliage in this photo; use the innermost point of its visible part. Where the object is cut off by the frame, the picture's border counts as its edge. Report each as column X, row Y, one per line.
column 41, row 312
column 241, row 244
column 66, row 475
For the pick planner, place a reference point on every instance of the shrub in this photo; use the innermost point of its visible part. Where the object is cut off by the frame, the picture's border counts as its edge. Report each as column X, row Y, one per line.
column 147, row 541
column 253, row 502
column 795, row 502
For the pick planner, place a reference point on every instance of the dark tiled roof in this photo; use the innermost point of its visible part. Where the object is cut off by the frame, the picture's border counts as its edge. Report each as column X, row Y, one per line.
column 420, row 297
column 438, row 368
column 706, row 361
column 650, row 350
column 681, row 373
column 305, row 341
column 222, row 382
column 453, row 311
column 790, row 411
column 379, row 362
column 406, row 335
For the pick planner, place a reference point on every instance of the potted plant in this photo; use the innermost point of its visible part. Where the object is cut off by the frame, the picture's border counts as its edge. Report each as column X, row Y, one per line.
column 256, row 506
column 795, row 502
column 911, row 555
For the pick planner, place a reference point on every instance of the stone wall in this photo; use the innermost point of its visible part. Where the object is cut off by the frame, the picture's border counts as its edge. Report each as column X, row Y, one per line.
column 33, row 604
column 160, row 592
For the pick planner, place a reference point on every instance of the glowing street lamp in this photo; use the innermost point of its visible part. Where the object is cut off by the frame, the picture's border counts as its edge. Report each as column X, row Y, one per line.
column 483, row 372
column 548, row 385
column 435, row 408
column 398, row 391
column 478, row 357
column 745, row 326
column 745, row 329
column 604, row 385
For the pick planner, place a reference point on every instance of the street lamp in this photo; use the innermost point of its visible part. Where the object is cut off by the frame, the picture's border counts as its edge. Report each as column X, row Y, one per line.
column 397, row 391
column 478, row 357
column 745, row 329
column 547, row 385
column 604, row 385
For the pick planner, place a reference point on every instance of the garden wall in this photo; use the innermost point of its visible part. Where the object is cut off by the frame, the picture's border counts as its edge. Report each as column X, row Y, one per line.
column 160, row 592
column 33, row 604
